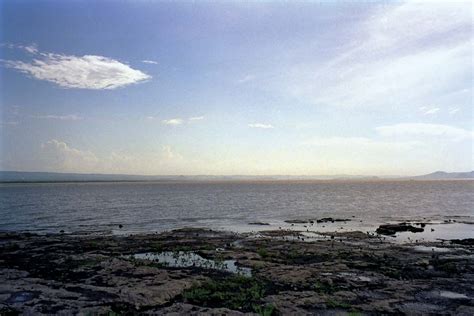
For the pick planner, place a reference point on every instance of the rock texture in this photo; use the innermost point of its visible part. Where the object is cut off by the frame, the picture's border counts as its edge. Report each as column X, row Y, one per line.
column 353, row 274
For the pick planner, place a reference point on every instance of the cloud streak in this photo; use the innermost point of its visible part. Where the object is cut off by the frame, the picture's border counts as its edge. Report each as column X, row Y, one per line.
column 78, row 72
column 402, row 54
column 70, row 117
column 196, row 118
column 173, row 121
column 260, row 125
column 152, row 62
column 425, row 130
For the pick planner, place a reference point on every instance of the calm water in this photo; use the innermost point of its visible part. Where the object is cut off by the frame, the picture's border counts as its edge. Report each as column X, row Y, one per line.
column 146, row 207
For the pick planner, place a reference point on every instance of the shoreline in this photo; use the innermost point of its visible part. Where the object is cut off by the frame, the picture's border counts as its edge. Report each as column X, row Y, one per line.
column 241, row 181
column 195, row 271
column 312, row 229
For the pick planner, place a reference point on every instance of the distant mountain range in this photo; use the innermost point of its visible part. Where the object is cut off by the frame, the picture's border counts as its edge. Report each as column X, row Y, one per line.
column 441, row 175
column 19, row 176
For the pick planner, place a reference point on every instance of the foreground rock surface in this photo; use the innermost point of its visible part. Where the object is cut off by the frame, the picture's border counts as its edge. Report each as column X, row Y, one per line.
column 353, row 274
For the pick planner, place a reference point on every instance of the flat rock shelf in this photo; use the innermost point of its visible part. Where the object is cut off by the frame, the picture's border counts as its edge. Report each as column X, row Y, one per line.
column 200, row 271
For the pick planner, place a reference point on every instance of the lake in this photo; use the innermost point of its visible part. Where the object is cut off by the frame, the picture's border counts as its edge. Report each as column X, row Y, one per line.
column 142, row 207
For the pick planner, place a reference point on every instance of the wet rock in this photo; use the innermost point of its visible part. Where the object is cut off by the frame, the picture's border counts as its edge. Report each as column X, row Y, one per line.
column 392, row 229
column 332, row 220
column 467, row 241
column 179, row 309
column 259, row 223
column 96, row 275
column 296, row 221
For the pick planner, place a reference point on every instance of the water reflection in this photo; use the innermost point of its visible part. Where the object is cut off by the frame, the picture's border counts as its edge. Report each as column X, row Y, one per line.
column 182, row 259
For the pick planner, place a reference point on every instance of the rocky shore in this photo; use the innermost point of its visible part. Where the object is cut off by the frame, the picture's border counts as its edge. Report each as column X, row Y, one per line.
column 198, row 271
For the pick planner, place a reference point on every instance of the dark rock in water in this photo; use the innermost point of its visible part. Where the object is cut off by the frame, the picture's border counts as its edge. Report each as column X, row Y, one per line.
column 392, row 229
column 296, row 221
column 467, row 241
column 120, row 226
column 332, row 220
column 259, row 223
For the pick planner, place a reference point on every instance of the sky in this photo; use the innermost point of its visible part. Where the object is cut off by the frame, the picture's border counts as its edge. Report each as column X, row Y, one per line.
column 227, row 88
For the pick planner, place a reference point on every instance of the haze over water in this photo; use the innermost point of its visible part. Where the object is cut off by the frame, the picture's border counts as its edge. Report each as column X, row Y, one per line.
column 152, row 206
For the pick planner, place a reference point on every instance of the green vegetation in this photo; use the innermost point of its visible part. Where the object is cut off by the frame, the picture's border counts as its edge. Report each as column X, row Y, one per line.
column 265, row 310
column 235, row 292
column 324, row 287
column 263, row 253
column 336, row 304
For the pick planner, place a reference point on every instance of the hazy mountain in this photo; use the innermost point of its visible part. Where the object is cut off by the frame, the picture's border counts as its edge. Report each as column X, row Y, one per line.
column 441, row 175
column 19, row 176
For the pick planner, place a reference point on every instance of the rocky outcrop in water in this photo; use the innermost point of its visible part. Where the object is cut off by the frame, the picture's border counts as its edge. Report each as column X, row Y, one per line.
column 392, row 229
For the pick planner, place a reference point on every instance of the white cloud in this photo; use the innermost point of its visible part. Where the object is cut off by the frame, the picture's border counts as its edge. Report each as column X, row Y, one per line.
column 150, row 62
column 169, row 154
column 424, row 130
column 260, row 125
column 174, row 121
column 431, row 111
column 196, row 118
column 70, row 117
column 65, row 158
column 31, row 49
column 86, row 72
column 57, row 155
column 453, row 111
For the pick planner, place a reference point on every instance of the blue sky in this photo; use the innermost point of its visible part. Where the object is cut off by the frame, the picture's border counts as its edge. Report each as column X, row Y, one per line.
column 308, row 88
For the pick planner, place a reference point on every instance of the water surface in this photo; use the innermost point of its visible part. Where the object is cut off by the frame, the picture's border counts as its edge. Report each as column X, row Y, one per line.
column 155, row 206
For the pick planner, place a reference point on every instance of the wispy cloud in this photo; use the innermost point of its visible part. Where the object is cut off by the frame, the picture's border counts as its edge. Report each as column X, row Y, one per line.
column 70, row 117
column 196, row 118
column 260, row 125
column 453, row 111
column 9, row 123
column 361, row 143
column 173, row 121
column 424, row 130
column 80, row 72
column 150, row 62
column 429, row 111
column 31, row 49
column 403, row 54
column 246, row 78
